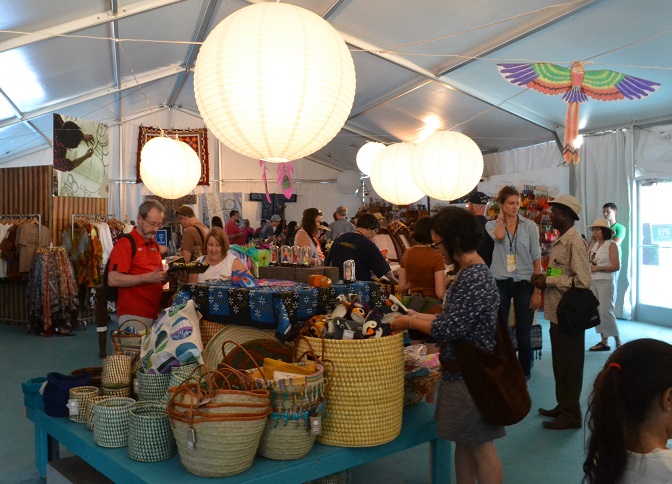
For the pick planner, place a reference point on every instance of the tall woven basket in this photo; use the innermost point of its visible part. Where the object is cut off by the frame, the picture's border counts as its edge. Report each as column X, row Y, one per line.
column 150, row 438
column 366, row 400
column 110, row 421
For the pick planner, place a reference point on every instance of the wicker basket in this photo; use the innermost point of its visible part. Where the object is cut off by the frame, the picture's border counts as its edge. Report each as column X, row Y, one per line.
column 123, row 392
column 128, row 338
column 152, row 386
column 208, row 330
column 286, row 437
column 95, row 372
column 225, row 445
column 89, row 409
column 84, row 396
column 110, row 422
column 116, row 371
column 150, row 438
column 366, row 399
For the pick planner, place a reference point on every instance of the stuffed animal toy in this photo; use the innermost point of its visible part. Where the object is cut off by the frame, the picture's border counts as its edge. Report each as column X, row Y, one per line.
column 395, row 305
column 374, row 327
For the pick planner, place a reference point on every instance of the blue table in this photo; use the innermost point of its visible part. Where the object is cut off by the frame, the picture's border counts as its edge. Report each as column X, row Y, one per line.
column 418, row 427
column 273, row 304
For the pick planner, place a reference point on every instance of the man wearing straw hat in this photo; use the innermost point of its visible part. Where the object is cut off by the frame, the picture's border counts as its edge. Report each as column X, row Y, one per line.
column 568, row 265
column 136, row 268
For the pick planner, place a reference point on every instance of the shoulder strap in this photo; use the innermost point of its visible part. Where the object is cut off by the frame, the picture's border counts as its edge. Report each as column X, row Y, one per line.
column 131, row 240
column 200, row 233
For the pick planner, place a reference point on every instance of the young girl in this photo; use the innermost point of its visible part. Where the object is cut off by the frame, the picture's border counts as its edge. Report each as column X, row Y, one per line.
column 630, row 416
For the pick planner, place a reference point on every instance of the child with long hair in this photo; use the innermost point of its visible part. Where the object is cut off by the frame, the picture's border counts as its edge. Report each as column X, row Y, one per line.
column 630, row 416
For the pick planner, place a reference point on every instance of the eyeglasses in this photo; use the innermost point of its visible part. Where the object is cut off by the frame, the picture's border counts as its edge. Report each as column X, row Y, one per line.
column 153, row 224
column 436, row 244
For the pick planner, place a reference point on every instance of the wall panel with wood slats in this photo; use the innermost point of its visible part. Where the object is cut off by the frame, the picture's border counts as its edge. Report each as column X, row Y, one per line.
column 27, row 190
column 13, row 309
column 64, row 207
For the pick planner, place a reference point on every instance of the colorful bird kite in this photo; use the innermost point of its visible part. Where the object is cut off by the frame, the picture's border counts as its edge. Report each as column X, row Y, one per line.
column 576, row 85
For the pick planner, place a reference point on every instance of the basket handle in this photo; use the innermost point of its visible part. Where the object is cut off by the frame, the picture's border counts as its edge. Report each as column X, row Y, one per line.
column 247, row 353
column 122, row 325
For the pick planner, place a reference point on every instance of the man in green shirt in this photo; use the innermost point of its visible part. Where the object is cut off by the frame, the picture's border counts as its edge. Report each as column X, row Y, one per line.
column 609, row 212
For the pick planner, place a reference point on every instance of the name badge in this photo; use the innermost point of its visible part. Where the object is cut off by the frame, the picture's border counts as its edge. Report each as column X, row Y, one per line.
column 510, row 263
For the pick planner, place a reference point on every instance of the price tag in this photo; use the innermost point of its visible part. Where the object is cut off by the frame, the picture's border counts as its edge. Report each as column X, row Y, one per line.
column 316, row 425
column 191, row 438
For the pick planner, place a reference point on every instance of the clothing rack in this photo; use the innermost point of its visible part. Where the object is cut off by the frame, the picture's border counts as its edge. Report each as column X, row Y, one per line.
column 27, row 216
column 90, row 216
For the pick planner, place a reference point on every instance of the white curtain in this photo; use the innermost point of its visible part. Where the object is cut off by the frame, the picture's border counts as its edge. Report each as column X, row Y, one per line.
column 606, row 174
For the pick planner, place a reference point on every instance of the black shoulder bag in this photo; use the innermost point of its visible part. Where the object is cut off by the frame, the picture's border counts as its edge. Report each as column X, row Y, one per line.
column 578, row 310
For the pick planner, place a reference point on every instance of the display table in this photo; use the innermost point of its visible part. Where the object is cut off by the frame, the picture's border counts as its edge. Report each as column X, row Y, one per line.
column 418, row 428
column 273, row 304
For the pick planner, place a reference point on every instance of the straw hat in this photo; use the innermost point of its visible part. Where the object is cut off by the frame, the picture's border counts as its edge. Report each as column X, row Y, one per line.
column 602, row 222
column 572, row 203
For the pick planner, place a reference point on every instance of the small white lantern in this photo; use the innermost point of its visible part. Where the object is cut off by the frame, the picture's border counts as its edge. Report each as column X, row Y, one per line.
column 367, row 154
column 447, row 165
column 274, row 81
column 348, row 181
column 391, row 175
column 169, row 168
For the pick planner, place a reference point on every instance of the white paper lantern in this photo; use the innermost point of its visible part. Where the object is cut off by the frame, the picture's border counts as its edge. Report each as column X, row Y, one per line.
column 391, row 175
column 447, row 165
column 274, row 81
column 367, row 154
column 169, row 168
column 348, row 181
column 353, row 202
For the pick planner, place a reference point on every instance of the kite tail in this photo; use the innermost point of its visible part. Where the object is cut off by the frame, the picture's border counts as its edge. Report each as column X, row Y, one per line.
column 570, row 153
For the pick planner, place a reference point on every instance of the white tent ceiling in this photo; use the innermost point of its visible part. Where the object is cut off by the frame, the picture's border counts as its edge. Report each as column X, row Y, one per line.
column 88, row 59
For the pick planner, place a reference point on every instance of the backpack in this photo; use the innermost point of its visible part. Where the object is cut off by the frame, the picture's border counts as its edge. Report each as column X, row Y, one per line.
column 112, row 293
column 495, row 380
column 578, row 310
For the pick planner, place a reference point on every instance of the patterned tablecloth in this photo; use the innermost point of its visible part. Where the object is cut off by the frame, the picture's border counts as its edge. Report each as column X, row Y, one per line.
column 272, row 304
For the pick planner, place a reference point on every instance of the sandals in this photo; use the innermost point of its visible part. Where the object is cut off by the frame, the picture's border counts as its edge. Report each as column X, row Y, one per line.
column 600, row 347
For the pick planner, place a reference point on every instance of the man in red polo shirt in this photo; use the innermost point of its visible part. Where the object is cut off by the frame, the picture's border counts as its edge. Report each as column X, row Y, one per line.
column 235, row 234
column 140, row 278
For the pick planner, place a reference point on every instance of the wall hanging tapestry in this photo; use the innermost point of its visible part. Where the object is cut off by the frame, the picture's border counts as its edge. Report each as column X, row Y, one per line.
column 81, row 158
column 196, row 138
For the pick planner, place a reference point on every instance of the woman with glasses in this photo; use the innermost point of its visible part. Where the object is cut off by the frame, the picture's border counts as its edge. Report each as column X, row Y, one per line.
column 469, row 313
column 222, row 263
column 307, row 235
column 516, row 257
column 357, row 245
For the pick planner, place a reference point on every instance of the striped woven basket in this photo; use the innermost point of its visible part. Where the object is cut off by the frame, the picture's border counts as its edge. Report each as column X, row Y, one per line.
column 150, row 438
column 89, row 409
column 123, row 392
column 366, row 400
column 83, row 395
column 116, row 371
column 110, row 422
column 286, row 436
column 152, row 386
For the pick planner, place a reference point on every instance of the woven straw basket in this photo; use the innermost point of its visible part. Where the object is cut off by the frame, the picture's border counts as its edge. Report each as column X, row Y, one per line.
column 116, row 371
column 89, row 409
column 285, row 438
column 123, row 392
column 153, row 386
column 223, row 447
column 150, row 438
column 366, row 400
column 110, row 422
column 84, row 396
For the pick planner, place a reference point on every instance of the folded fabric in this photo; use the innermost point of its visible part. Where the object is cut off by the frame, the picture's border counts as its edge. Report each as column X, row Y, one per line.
column 272, row 366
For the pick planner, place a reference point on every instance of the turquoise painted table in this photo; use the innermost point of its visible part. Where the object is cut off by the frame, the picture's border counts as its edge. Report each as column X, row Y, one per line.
column 418, row 428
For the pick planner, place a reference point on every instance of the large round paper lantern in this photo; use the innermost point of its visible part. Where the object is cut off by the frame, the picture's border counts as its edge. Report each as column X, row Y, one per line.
column 447, row 165
column 274, row 81
column 367, row 154
column 169, row 168
column 391, row 175
column 348, row 181
column 353, row 202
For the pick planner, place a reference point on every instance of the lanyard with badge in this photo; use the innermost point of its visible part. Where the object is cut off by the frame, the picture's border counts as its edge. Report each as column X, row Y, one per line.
column 511, row 256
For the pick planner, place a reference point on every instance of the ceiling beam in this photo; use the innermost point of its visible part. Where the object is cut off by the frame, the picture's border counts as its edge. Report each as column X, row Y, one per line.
column 564, row 13
column 146, row 79
column 335, row 7
column 19, row 115
column 199, row 36
column 84, row 23
column 116, row 69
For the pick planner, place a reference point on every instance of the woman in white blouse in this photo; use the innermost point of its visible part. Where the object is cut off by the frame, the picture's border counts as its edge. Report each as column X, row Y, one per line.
column 222, row 263
column 604, row 263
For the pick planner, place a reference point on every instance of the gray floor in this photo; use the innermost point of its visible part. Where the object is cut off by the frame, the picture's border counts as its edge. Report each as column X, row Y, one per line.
column 529, row 453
